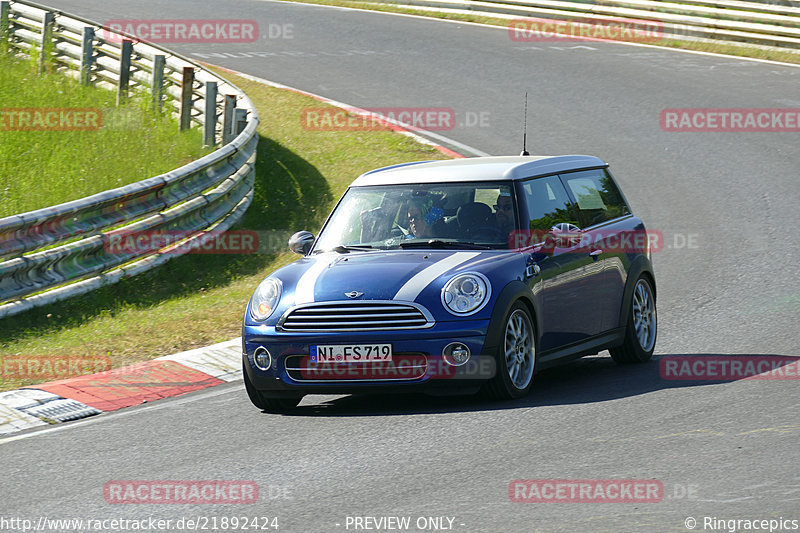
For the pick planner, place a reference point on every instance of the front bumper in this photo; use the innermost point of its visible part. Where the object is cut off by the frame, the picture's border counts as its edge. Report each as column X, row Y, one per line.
column 291, row 374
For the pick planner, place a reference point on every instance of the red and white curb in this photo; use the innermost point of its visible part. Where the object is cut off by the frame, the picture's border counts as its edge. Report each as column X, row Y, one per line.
column 82, row 396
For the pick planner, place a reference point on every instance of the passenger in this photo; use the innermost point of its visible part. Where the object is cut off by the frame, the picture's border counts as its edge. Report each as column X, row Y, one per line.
column 504, row 213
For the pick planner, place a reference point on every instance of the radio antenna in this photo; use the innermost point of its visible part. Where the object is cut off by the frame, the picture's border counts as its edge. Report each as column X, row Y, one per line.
column 525, row 128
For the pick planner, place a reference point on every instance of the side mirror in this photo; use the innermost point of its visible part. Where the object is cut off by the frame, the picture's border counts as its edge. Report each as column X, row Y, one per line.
column 301, row 242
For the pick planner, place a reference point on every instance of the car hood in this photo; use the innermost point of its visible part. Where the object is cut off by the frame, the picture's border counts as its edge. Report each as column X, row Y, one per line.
column 390, row 275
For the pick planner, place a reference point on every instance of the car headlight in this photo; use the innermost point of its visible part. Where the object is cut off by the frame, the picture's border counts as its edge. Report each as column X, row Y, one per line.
column 466, row 293
column 265, row 299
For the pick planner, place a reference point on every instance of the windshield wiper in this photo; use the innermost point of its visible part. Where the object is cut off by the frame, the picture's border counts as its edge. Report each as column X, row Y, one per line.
column 342, row 249
column 436, row 243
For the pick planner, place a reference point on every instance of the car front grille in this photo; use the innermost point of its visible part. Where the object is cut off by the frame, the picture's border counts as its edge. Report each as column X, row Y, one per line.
column 402, row 367
column 367, row 315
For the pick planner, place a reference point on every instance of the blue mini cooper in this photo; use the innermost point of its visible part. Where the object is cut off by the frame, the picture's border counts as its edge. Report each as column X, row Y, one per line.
column 452, row 276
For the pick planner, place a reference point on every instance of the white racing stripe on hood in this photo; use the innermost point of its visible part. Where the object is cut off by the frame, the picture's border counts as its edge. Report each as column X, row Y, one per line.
column 304, row 290
column 422, row 279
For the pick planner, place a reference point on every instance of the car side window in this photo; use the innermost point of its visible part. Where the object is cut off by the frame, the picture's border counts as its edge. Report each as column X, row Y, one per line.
column 597, row 196
column 547, row 203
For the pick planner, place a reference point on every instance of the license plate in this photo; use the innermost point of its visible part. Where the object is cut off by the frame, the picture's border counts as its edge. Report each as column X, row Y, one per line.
column 350, row 353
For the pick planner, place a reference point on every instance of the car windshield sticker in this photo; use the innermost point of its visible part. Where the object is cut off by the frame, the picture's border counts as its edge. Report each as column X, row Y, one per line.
column 587, row 195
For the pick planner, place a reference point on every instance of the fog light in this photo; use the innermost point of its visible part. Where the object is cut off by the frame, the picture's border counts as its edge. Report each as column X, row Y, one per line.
column 456, row 354
column 262, row 358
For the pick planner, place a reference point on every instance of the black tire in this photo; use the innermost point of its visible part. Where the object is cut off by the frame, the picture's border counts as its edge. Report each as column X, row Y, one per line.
column 270, row 405
column 515, row 356
column 642, row 326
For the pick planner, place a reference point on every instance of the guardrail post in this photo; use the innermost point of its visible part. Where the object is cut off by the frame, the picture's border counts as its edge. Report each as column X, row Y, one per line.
column 239, row 120
column 69, row 234
column 87, row 55
column 227, row 118
column 210, row 116
column 187, row 84
column 5, row 10
column 157, row 81
column 47, row 39
column 124, row 70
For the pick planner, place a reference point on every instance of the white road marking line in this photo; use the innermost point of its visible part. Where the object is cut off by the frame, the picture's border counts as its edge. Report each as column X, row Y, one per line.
column 416, row 133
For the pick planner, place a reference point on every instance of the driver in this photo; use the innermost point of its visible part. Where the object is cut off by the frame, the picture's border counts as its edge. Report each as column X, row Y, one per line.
column 424, row 218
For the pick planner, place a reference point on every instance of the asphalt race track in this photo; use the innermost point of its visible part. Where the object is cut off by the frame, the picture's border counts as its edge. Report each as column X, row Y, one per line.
column 726, row 203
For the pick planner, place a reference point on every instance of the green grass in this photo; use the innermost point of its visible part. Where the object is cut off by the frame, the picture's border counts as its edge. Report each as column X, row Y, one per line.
column 731, row 49
column 43, row 168
column 196, row 300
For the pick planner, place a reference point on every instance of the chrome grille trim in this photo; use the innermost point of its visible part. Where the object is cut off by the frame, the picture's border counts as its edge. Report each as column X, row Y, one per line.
column 362, row 315
column 295, row 371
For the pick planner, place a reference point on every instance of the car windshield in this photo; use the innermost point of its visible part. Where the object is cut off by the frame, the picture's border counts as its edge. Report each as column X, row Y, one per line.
column 476, row 215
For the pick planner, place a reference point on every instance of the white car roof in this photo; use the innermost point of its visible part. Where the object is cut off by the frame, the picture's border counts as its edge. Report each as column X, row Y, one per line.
column 476, row 169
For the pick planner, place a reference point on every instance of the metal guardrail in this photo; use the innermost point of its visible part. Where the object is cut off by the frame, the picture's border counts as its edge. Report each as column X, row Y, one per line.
column 745, row 22
column 61, row 251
